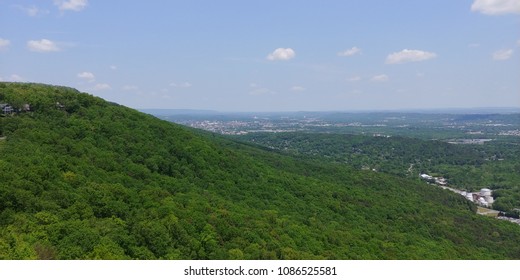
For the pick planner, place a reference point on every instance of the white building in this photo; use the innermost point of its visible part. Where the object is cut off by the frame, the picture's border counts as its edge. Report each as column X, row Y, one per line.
column 485, row 192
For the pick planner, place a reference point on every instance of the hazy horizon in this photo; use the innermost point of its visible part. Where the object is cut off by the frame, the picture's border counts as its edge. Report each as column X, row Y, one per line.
column 235, row 55
column 461, row 110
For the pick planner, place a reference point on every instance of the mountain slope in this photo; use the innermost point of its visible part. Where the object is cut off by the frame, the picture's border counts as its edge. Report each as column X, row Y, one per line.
column 81, row 178
column 495, row 164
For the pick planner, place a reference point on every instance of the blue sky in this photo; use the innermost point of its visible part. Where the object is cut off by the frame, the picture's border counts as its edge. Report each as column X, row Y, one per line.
column 269, row 55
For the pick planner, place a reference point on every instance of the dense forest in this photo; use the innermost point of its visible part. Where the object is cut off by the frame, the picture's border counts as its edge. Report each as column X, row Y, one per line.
column 494, row 165
column 82, row 178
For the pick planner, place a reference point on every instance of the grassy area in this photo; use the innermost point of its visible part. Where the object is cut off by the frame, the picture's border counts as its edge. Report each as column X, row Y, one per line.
column 487, row 212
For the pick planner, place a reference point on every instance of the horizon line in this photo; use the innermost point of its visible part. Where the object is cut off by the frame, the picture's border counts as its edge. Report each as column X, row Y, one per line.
column 474, row 110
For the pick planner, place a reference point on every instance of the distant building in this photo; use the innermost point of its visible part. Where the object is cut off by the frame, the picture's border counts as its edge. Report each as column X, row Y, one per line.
column 6, row 108
column 483, row 198
column 482, row 201
column 487, row 195
column 441, row 181
column 485, row 192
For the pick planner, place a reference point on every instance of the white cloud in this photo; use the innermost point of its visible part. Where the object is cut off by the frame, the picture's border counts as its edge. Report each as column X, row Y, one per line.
column 502, row 54
column 380, row 78
column 181, row 85
column 102, row 87
column 87, row 76
column 113, row 67
column 261, row 91
column 16, row 78
column 12, row 78
column 354, row 79
column 43, row 45
column 32, row 11
column 166, row 96
column 350, row 52
column 130, row 88
column 4, row 43
column 496, row 7
column 71, row 5
column 258, row 90
column 518, row 43
column 281, row 54
column 297, row 88
column 406, row 55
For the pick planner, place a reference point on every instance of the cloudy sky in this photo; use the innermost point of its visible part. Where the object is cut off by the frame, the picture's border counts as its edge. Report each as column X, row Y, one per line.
column 235, row 55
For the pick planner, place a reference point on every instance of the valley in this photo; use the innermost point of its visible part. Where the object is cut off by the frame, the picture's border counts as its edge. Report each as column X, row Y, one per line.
column 472, row 148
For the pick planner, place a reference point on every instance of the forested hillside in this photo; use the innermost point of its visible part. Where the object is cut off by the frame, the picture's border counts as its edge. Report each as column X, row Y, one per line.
column 82, row 178
column 495, row 164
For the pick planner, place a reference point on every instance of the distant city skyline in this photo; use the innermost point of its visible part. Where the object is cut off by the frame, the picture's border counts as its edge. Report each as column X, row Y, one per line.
column 238, row 56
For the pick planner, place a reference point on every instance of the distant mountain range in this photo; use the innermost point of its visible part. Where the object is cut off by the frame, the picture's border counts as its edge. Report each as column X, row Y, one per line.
column 173, row 112
column 477, row 110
